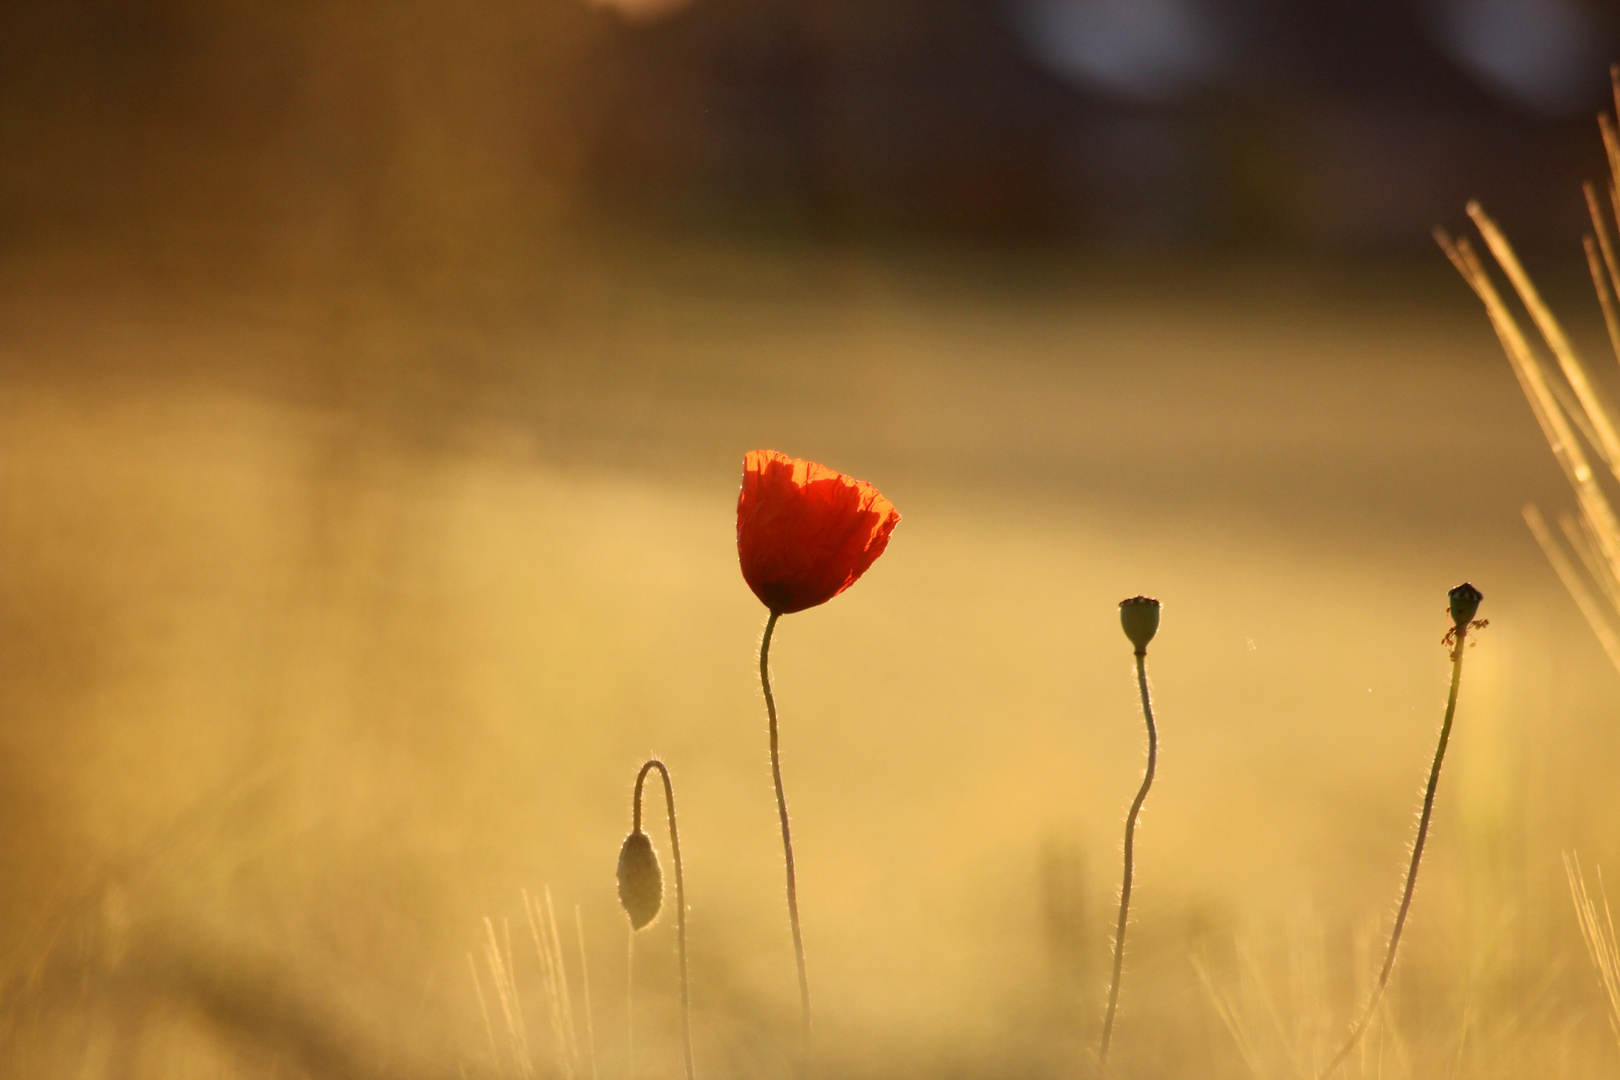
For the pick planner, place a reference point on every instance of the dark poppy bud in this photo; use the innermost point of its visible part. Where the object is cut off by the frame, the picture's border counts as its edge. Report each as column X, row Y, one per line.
column 641, row 883
column 1464, row 604
column 1140, row 617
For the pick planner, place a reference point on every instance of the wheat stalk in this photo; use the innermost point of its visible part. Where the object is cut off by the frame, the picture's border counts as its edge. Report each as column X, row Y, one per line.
column 1597, row 930
column 1572, row 415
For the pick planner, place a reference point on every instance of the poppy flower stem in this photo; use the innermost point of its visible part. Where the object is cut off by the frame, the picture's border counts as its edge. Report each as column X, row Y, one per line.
column 787, row 832
column 1130, row 845
column 680, row 896
column 1459, row 635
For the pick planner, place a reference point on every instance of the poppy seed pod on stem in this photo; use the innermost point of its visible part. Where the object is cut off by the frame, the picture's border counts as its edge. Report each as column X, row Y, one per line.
column 1140, row 617
column 1464, row 604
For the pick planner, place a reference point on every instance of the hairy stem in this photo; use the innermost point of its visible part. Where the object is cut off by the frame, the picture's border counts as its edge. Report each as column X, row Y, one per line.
column 1130, row 850
column 787, row 833
column 680, row 897
column 1417, row 856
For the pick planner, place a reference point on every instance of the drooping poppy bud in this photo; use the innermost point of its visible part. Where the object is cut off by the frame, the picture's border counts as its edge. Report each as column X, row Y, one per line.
column 641, row 883
column 1140, row 617
column 804, row 532
column 1464, row 604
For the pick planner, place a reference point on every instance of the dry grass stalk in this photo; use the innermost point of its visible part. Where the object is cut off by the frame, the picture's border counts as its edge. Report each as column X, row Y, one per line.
column 1278, row 1014
column 585, row 987
column 554, row 975
column 567, row 1058
column 498, row 957
column 1572, row 414
column 1597, row 930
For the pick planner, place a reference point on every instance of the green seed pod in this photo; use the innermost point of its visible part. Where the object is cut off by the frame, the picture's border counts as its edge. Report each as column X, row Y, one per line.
column 1140, row 617
column 1464, row 604
column 641, row 883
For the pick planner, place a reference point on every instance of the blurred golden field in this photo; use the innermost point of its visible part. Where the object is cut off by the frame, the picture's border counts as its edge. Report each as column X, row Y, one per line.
column 337, row 615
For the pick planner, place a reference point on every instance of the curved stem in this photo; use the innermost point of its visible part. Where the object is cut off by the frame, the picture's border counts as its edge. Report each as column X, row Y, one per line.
column 1130, row 846
column 1417, row 856
column 680, row 896
column 787, row 833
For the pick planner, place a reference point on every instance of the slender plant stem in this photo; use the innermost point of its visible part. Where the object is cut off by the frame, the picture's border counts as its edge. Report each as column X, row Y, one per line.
column 630, row 1006
column 1417, row 856
column 585, row 978
column 1130, row 849
column 680, row 897
column 787, row 832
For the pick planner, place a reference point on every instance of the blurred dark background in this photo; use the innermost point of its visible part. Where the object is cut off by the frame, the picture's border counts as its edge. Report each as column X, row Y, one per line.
column 297, row 128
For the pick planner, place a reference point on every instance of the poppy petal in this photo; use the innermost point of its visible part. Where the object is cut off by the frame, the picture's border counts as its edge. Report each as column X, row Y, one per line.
column 805, row 533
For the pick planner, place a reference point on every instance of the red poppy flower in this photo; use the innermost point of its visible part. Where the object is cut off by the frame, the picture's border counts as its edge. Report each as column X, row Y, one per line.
column 804, row 532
